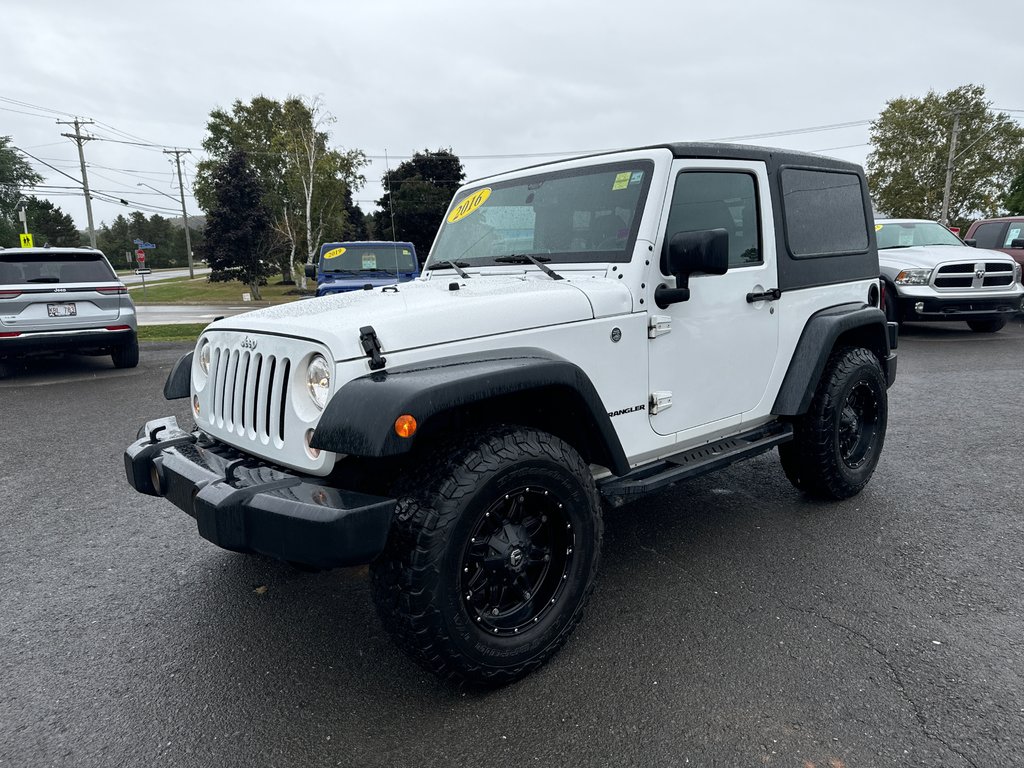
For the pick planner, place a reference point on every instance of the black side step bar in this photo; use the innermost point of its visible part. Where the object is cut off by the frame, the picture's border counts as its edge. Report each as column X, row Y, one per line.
column 696, row 461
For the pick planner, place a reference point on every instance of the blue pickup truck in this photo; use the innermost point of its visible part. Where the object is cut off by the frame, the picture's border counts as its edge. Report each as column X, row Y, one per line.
column 351, row 266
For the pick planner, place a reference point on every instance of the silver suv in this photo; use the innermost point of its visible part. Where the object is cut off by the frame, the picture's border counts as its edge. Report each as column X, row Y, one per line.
column 63, row 300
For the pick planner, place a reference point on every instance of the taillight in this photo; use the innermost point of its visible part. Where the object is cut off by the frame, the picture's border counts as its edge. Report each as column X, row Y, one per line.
column 881, row 293
column 9, row 294
column 112, row 290
column 9, row 335
column 119, row 327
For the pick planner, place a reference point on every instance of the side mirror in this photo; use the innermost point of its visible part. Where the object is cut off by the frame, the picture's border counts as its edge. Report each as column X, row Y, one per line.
column 705, row 251
column 971, row 242
column 1017, row 242
column 311, row 271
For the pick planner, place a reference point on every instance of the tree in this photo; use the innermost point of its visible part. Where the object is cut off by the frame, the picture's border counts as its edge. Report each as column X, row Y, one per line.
column 305, row 183
column 15, row 175
column 1014, row 199
column 238, row 234
column 906, row 168
column 417, row 194
column 49, row 224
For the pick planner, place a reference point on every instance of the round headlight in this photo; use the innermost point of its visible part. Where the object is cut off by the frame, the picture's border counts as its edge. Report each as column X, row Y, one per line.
column 318, row 380
column 204, row 357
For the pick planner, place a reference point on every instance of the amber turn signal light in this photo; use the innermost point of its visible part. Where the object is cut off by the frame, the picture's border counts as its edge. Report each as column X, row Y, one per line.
column 405, row 425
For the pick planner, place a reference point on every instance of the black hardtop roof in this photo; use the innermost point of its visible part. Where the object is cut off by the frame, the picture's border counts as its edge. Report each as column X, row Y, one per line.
column 773, row 157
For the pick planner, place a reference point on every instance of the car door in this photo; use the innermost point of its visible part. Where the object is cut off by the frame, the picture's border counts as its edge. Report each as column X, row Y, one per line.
column 714, row 362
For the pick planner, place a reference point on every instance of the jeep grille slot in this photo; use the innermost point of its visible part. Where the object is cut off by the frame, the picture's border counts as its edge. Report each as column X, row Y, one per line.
column 249, row 393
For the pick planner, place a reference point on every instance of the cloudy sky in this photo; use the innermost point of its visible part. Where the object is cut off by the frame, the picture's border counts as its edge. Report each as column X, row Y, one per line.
column 502, row 84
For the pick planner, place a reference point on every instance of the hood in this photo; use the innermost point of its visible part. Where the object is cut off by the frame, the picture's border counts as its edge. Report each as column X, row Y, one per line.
column 427, row 312
column 929, row 256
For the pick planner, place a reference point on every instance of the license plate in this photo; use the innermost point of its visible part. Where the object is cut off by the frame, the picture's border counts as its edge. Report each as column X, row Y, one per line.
column 61, row 310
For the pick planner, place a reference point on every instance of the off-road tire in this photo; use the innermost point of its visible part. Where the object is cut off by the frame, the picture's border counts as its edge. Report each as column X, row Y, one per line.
column 837, row 443
column 419, row 582
column 126, row 355
column 987, row 326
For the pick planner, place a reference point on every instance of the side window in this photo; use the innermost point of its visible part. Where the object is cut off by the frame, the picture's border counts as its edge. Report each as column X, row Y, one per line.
column 824, row 212
column 719, row 200
column 989, row 235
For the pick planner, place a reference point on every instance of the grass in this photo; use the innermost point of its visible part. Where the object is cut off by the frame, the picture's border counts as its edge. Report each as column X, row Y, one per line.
column 179, row 332
column 200, row 291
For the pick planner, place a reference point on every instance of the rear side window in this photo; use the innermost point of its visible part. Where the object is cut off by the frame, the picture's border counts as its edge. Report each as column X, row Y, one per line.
column 824, row 212
column 17, row 268
column 989, row 235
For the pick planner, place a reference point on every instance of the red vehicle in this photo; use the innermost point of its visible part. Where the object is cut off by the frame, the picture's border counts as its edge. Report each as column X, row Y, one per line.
column 1004, row 234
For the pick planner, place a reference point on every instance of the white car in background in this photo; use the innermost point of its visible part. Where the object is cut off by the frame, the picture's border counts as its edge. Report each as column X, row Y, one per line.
column 63, row 300
column 930, row 274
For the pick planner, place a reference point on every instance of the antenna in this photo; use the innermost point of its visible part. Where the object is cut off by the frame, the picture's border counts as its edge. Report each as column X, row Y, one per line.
column 391, row 207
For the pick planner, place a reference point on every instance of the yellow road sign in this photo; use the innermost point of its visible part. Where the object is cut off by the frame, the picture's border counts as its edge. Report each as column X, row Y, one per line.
column 26, row 240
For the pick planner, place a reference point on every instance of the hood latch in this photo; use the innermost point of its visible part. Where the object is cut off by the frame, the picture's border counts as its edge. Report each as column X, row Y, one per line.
column 371, row 346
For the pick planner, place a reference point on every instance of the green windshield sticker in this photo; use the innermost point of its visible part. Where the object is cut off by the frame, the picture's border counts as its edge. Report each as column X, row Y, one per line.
column 405, row 251
column 621, row 180
column 637, row 177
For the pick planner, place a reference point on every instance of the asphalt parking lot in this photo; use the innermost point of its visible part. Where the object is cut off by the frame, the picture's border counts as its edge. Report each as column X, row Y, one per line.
column 734, row 622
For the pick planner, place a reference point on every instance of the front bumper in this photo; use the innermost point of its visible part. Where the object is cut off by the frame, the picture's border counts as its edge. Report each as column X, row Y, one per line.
column 245, row 505
column 959, row 307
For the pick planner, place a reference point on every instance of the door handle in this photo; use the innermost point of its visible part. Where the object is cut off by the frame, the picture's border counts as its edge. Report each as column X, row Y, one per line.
column 772, row 294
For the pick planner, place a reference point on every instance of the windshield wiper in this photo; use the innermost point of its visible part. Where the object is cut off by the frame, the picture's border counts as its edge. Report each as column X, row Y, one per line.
column 523, row 258
column 456, row 265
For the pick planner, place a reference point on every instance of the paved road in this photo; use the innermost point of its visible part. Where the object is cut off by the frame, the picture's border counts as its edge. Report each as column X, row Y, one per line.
column 176, row 314
column 163, row 274
column 734, row 623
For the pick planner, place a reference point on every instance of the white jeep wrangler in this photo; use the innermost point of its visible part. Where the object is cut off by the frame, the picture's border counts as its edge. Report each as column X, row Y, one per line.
column 587, row 330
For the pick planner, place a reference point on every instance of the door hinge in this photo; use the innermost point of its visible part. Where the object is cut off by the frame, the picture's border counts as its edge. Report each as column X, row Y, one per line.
column 658, row 325
column 660, row 401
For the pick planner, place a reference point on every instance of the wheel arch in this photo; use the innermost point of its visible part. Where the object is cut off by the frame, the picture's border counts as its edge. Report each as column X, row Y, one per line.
column 527, row 387
column 855, row 325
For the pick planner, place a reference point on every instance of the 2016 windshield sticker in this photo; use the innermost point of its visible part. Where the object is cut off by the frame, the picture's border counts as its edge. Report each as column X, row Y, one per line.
column 334, row 253
column 469, row 205
column 621, row 180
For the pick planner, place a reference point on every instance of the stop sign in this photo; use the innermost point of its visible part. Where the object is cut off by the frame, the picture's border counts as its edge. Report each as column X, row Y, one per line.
column 140, row 256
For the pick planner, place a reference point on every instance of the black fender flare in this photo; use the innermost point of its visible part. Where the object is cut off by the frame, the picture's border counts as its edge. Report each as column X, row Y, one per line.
column 359, row 419
column 179, row 380
column 819, row 337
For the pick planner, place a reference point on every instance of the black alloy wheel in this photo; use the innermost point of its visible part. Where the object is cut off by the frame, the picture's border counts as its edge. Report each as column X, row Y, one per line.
column 858, row 423
column 516, row 561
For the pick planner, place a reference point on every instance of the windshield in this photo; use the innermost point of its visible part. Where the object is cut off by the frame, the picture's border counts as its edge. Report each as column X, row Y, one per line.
column 16, row 267
column 353, row 259
column 579, row 215
column 908, row 233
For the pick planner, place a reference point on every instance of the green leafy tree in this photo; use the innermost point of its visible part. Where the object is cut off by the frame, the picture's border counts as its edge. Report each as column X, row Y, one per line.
column 238, row 235
column 305, row 182
column 416, row 195
column 906, row 168
column 1014, row 200
column 15, row 176
column 50, row 225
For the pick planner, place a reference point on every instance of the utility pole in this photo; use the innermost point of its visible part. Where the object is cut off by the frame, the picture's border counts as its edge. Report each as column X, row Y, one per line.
column 80, row 140
column 944, row 218
column 184, row 216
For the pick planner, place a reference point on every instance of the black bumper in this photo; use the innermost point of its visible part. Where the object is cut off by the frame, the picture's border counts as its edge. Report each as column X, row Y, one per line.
column 74, row 341
column 245, row 505
column 959, row 308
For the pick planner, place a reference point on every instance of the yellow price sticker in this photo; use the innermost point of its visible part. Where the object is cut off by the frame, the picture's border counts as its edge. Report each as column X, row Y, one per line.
column 622, row 180
column 878, row 227
column 334, row 253
column 469, row 205
column 26, row 240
